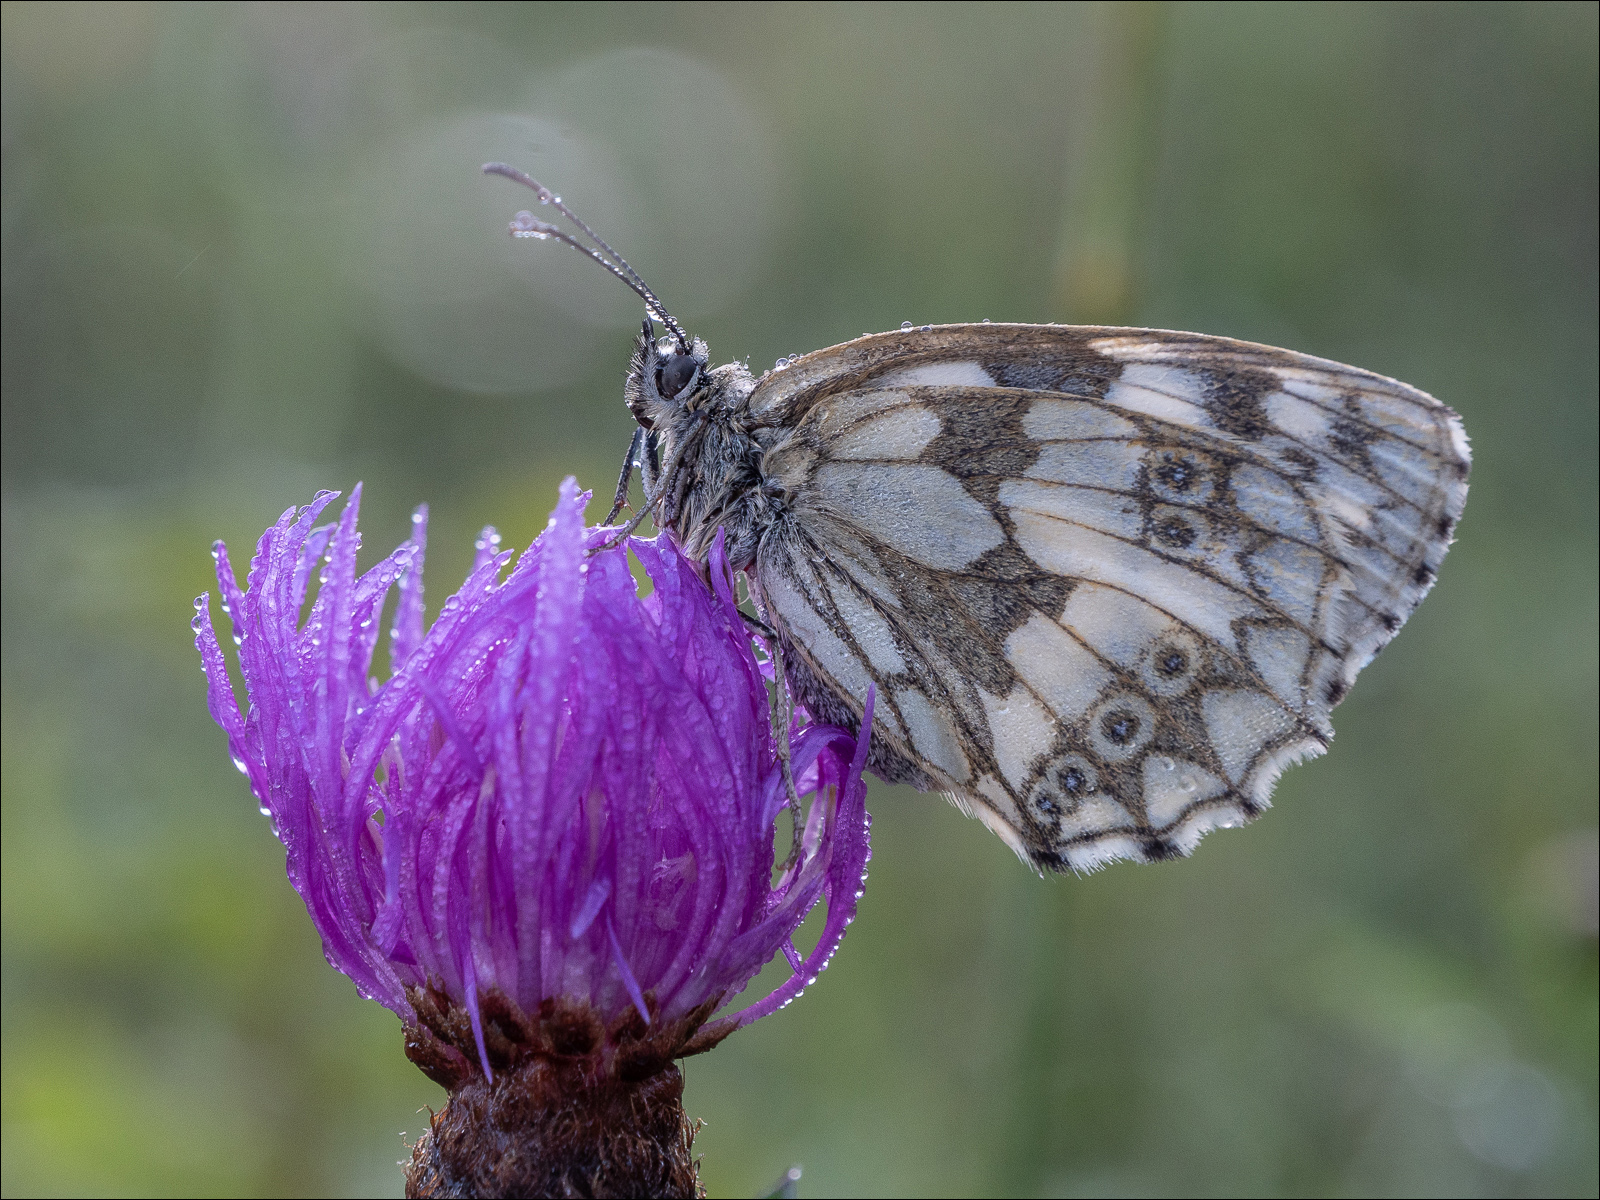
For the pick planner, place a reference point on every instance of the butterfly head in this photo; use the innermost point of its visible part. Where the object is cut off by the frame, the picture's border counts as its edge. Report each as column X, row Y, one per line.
column 666, row 378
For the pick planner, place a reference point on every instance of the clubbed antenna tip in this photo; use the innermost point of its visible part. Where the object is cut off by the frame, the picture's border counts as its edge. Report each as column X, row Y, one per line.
column 525, row 225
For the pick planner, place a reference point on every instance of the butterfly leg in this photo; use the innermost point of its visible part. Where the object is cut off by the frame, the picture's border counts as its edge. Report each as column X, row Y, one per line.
column 668, row 480
column 628, row 464
column 783, row 718
column 623, row 534
column 650, row 465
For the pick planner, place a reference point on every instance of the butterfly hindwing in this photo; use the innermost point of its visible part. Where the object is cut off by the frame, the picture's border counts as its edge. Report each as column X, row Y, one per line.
column 1107, row 582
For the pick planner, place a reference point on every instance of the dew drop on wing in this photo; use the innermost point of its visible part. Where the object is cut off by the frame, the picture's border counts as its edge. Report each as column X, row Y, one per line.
column 905, row 326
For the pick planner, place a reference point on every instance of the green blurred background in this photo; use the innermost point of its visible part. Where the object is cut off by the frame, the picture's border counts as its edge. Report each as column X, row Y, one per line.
column 247, row 254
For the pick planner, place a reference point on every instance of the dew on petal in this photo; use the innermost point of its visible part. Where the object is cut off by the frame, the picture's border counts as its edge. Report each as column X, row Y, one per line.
column 530, row 694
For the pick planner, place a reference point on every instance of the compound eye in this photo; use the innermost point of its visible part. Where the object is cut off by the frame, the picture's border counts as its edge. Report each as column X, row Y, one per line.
column 677, row 374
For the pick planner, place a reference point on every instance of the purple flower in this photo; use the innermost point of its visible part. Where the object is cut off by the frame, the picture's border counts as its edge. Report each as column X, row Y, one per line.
column 559, row 807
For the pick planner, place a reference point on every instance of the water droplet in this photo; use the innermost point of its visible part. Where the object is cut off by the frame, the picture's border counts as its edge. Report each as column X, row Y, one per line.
column 927, row 328
column 1166, row 764
column 1189, row 784
column 986, row 320
column 905, row 326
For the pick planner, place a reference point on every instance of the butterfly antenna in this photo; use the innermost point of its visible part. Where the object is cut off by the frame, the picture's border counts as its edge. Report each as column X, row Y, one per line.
column 526, row 225
column 546, row 196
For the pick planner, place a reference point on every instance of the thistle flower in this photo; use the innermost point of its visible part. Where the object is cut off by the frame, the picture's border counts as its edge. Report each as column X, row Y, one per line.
column 546, row 841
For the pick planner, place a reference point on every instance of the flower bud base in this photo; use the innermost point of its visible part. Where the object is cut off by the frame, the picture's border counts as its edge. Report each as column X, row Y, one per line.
column 575, row 1108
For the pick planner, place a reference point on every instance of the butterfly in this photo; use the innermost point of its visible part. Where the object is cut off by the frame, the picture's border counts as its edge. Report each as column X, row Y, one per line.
column 1104, row 584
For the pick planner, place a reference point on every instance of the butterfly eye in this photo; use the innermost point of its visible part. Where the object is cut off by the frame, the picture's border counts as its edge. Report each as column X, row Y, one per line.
column 677, row 374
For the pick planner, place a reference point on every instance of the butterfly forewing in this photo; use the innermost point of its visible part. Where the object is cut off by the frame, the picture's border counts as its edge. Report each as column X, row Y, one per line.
column 1107, row 582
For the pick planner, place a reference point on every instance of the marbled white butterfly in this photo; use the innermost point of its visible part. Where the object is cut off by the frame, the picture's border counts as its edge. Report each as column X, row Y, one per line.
column 1106, row 583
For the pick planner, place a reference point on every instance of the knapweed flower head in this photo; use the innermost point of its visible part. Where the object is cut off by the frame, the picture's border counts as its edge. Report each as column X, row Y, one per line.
column 556, row 817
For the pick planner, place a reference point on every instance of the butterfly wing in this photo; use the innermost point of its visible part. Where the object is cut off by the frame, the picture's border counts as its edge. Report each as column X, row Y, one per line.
column 1108, row 583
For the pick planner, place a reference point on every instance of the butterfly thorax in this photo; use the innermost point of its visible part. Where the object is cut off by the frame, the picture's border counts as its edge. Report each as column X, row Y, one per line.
column 720, row 486
column 709, row 475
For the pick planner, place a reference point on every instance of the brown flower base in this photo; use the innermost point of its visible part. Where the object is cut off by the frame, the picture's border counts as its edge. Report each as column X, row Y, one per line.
column 576, row 1108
